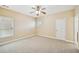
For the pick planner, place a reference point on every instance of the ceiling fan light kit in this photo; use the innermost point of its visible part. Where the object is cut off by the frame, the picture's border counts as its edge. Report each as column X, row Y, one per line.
column 38, row 10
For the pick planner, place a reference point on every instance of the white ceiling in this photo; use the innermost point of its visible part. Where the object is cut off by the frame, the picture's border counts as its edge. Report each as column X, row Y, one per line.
column 50, row 9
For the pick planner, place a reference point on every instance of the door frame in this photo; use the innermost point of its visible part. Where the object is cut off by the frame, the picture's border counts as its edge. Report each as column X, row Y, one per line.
column 76, row 17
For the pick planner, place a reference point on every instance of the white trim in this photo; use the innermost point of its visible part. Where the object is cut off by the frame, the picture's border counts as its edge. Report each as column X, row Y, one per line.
column 64, row 40
column 56, row 38
column 3, row 43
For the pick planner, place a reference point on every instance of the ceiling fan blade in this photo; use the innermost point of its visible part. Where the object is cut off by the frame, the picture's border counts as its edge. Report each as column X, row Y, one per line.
column 43, row 12
column 31, row 12
column 43, row 8
column 38, row 7
column 5, row 5
column 37, row 14
column 33, row 8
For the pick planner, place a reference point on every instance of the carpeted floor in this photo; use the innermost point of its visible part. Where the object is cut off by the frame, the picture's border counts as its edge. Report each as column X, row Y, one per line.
column 39, row 45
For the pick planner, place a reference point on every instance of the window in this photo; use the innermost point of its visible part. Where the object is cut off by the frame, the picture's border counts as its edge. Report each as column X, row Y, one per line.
column 6, row 26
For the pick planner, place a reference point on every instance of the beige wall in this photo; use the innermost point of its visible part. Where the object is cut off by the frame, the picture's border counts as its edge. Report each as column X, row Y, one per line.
column 24, row 25
column 47, row 28
column 77, row 14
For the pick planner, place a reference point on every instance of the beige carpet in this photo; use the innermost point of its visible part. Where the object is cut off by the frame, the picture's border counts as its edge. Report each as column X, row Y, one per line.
column 39, row 45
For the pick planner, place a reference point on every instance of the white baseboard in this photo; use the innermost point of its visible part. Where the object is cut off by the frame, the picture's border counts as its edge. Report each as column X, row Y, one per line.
column 16, row 39
column 75, row 45
column 3, row 43
column 64, row 40
column 56, row 38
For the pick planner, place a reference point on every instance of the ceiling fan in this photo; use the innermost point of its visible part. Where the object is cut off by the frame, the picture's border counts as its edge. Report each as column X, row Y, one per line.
column 38, row 10
column 5, row 6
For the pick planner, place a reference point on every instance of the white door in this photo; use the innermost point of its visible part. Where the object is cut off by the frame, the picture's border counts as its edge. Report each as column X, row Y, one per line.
column 61, row 29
